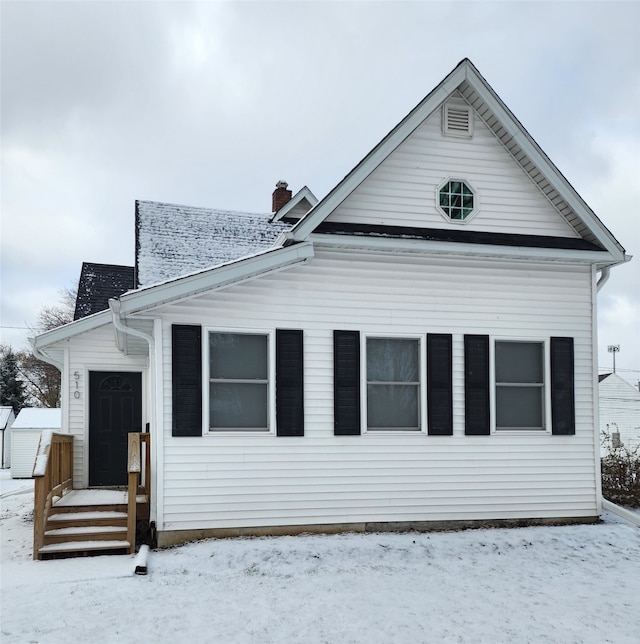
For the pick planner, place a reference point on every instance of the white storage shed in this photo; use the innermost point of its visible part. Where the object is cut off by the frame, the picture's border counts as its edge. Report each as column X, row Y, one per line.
column 26, row 431
column 6, row 420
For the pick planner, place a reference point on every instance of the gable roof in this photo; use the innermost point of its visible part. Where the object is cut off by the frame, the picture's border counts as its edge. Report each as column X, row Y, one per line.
column 297, row 207
column 98, row 283
column 466, row 80
column 38, row 418
column 174, row 240
column 182, row 250
column 615, row 380
column 234, row 272
column 261, row 263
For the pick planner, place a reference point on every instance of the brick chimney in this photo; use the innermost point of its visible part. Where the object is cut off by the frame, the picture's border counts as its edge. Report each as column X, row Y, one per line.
column 281, row 196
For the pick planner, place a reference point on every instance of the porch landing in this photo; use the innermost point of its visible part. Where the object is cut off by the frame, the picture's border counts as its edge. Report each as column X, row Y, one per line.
column 95, row 497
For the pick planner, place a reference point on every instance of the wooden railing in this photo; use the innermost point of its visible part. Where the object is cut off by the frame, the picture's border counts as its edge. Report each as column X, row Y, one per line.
column 139, row 468
column 53, row 474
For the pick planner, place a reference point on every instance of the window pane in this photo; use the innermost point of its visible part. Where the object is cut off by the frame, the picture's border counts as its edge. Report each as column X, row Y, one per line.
column 519, row 362
column 519, row 407
column 237, row 405
column 238, row 355
column 392, row 406
column 392, row 360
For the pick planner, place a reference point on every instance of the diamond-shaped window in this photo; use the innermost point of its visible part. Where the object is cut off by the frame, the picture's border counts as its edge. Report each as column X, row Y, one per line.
column 456, row 200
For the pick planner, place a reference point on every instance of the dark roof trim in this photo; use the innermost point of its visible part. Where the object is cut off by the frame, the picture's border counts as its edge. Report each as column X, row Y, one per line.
column 463, row 236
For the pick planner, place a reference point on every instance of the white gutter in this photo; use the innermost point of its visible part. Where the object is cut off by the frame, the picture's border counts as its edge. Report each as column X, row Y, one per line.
column 63, row 368
column 604, row 276
column 38, row 353
column 621, row 512
column 119, row 324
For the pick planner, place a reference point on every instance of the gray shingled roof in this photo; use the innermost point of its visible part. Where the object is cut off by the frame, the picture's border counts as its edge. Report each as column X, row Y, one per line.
column 173, row 240
column 98, row 283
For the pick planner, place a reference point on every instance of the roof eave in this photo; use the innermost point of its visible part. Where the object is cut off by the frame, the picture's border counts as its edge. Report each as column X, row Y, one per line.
column 459, row 249
column 465, row 71
column 67, row 331
column 388, row 144
column 215, row 278
column 529, row 146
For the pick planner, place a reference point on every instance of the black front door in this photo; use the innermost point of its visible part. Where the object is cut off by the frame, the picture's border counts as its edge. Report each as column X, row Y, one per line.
column 115, row 409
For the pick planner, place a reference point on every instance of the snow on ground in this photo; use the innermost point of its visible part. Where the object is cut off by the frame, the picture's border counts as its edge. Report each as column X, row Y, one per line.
column 538, row 584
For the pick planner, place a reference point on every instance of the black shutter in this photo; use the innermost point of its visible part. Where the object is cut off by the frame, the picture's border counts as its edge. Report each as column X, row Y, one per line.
column 289, row 383
column 563, row 412
column 476, row 385
column 439, row 384
column 186, row 350
column 346, row 383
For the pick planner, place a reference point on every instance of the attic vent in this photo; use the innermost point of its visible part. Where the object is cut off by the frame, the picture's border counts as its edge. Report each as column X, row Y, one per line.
column 457, row 120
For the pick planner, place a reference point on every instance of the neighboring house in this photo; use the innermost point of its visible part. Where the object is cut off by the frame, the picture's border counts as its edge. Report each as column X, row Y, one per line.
column 6, row 420
column 414, row 349
column 619, row 410
column 26, row 430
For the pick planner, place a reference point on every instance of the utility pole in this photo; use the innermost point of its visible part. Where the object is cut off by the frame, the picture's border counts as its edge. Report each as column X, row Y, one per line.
column 613, row 348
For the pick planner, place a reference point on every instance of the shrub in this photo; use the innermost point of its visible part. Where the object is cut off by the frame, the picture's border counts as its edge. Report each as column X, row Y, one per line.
column 621, row 474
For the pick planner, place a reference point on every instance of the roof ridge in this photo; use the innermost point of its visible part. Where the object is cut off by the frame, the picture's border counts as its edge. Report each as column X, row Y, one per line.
column 203, row 209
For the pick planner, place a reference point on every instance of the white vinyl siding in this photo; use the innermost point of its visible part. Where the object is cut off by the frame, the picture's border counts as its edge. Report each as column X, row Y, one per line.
column 403, row 190
column 264, row 480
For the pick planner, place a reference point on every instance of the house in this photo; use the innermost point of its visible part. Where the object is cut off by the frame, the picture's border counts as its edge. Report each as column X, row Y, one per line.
column 619, row 411
column 413, row 350
column 6, row 420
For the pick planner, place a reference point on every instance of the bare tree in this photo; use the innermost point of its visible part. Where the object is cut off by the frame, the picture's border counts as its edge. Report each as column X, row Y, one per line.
column 51, row 317
column 41, row 379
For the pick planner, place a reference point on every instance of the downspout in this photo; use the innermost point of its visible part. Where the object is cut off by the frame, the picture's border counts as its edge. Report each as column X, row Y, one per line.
column 604, row 277
column 118, row 322
column 114, row 306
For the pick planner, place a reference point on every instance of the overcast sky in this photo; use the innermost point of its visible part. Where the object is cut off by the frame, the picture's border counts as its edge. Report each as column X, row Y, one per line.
column 210, row 103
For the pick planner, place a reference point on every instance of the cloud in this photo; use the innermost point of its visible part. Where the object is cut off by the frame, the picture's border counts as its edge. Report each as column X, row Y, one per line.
column 209, row 103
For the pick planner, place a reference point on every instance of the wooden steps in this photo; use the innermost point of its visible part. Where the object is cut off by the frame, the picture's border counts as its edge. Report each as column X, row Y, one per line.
column 87, row 522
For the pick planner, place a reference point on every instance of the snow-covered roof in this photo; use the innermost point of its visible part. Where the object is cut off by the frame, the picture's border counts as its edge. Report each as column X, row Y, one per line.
column 174, row 240
column 98, row 283
column 38, row 418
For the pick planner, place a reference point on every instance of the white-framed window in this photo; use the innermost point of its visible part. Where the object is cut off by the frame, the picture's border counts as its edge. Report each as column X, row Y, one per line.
column 456, row 200
column 393, row 396
column 239, row 381
column 520, row 375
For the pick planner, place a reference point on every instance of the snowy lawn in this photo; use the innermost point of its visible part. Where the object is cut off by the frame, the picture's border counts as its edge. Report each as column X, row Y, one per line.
column 542, row 584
